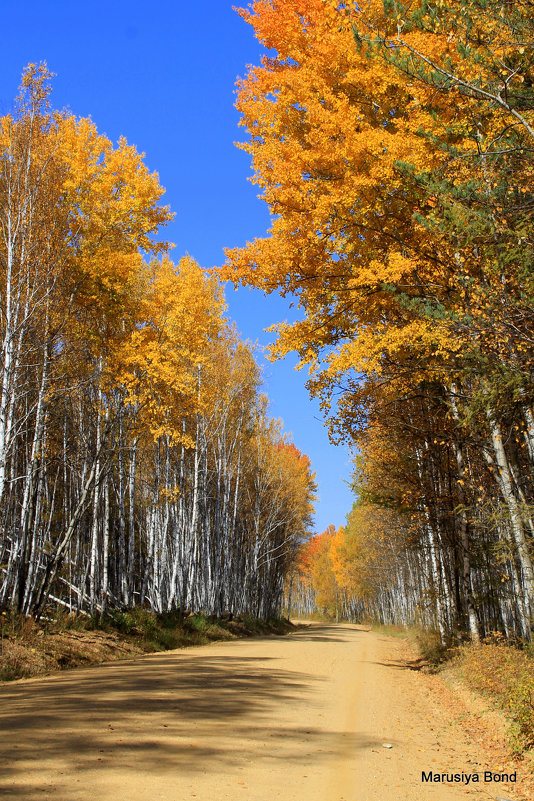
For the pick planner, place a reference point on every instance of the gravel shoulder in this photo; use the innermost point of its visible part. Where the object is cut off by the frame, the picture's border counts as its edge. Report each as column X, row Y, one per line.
column 303, row 717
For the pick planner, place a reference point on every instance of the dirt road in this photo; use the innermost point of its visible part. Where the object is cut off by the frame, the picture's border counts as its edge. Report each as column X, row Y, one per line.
column 297, row 718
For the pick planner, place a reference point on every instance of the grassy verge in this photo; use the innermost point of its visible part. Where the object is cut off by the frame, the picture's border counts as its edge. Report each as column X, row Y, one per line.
column 390, row 630
column 501, row 672
column 504, row 674
column 28, row 649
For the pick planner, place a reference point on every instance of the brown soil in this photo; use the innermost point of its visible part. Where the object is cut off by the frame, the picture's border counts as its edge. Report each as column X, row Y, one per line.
column 297, row 718
column 42, row 653
column 31, row 650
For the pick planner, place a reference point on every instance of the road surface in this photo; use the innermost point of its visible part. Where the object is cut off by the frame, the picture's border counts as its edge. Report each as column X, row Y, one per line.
column 298, row 718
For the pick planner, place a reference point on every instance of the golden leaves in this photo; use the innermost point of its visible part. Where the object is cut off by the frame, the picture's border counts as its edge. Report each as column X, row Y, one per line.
column 180, row 313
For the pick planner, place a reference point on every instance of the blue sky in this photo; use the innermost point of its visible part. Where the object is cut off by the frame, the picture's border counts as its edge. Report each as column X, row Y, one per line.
column 163, row 75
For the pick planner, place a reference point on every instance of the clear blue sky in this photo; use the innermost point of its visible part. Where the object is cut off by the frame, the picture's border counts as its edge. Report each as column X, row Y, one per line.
column 163, row 75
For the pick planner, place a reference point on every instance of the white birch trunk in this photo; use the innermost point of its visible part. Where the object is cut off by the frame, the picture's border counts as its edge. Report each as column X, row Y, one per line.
column 505, row 482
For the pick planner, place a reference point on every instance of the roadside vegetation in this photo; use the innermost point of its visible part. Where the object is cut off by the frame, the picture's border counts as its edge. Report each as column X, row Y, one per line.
column 504, row 674
column 29, row 649
column 499, row 670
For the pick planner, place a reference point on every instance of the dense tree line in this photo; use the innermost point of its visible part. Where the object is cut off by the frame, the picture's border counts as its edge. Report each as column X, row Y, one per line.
column 394, row 145
column 138, row 464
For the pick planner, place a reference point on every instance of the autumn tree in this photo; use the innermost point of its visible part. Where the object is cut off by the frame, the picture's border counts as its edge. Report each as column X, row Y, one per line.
column 392, row 145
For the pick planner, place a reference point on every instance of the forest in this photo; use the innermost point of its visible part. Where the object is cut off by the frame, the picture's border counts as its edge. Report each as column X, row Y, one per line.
column 394, row 146
column 138, row 463
column 393, row 143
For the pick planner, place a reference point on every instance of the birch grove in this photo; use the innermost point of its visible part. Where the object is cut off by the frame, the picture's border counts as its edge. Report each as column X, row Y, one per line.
column 441, row 534
column 138, row 464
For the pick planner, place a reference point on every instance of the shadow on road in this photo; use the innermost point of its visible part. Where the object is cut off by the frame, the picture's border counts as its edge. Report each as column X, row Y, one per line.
column 327, row 632
column 414, row 664
column 172, row 712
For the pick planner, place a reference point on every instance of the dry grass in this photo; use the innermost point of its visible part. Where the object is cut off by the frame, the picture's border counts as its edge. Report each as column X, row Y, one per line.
column 28, row 649
column 390, row 630
column 505, row 675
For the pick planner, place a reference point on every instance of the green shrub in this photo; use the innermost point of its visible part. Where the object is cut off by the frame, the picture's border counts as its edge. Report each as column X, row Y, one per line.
column 430, row 645
column 198, row 623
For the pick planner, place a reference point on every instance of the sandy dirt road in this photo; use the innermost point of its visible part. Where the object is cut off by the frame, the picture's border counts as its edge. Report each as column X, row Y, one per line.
column 296, row 718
